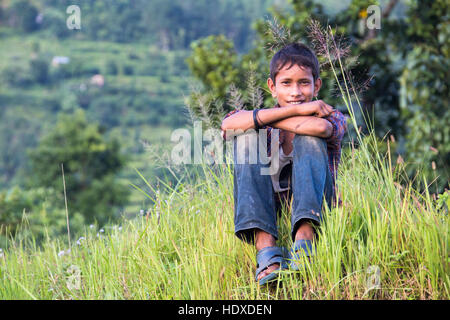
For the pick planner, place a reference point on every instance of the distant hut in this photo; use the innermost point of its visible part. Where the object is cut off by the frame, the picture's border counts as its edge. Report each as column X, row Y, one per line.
column 57, row 60
column 98, row 80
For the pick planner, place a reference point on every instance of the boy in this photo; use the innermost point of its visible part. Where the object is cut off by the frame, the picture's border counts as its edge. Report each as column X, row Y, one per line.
column 310, row 135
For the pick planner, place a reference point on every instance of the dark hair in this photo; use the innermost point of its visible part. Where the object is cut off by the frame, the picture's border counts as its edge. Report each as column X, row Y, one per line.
column 294, row 54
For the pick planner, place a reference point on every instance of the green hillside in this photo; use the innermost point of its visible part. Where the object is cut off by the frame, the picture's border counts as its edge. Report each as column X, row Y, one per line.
column 383, row 242
column 125, row 69
column 133, row 105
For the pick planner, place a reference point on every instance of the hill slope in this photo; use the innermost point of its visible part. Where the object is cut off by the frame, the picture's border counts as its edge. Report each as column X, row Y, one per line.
column 386, row 241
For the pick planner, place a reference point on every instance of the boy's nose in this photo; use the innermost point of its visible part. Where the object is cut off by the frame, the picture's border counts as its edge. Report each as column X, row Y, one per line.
column 296, row 91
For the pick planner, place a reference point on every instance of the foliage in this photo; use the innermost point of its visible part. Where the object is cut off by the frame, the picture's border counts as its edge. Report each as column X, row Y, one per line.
column 39, row 69
column 13, row 203
column 54, row 22
column 171, row 25
column 17, row 76
column 111, row 68
column 90, row 164
column 425, row 91
column 213, row 60
column 126, row 103
column 34, row 214
column 22, row 14
column 17, row 134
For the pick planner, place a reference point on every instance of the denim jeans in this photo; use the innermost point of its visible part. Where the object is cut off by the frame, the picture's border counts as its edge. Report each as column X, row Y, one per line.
column 254, row 198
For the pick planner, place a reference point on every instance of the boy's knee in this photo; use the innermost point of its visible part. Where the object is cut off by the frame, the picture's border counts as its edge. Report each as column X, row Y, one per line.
column 311, row 142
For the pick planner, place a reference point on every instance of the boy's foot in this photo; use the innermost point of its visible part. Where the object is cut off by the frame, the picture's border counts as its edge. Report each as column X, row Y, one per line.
column 303, row 245
column 269, row 270
column 263, row 240
column 269, row 257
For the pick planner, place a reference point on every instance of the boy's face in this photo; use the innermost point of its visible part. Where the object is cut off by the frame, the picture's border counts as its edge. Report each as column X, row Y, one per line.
column 294, row 85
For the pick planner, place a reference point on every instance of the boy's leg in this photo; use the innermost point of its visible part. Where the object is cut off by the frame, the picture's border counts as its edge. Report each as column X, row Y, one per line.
column 311, row 180
column 254, row 203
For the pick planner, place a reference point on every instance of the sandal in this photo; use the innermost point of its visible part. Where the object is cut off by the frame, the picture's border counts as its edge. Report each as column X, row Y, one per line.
column 265, row 258
column 300, row 248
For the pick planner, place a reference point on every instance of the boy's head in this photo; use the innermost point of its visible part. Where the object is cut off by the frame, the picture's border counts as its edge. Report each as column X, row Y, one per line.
column 294, row 75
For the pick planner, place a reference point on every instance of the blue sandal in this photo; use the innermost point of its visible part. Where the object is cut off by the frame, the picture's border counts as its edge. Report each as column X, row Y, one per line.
column 265, row 258
column 300, row 248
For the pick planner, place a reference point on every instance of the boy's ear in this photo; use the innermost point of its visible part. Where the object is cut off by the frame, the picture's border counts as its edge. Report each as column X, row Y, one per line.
column 317, row 86
column 271, row 86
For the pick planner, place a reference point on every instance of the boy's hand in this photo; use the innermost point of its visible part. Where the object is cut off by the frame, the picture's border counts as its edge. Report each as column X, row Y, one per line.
column 316, row 108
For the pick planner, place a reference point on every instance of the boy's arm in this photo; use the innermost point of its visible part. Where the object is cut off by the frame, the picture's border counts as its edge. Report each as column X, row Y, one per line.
column 333, row 131
column 243, row 119
column 305, row 125
column 299, row 119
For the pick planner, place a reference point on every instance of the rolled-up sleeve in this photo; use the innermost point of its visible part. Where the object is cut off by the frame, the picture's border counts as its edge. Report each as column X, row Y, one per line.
column 339, row 123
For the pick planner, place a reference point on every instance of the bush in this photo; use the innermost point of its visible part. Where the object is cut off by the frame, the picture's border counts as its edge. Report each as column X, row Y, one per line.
column 77, row 68
column 54, row 21
column 17, row 76
column 106, row 110
column 34, row 213
column 128, row 70
column 111, row 68
column 90, row 164
column 39, row 70
column 23, row 14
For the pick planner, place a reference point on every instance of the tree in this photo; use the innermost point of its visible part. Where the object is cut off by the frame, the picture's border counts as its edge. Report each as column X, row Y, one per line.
column 23, row 15
column 425, row 91
column 54, row 21
column 39, row 70
column 169, row 24
column 17, row 132
column 33, row 215
column 90, row 166
column 214, row 61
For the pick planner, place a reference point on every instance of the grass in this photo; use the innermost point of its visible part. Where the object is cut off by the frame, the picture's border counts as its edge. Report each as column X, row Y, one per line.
column 385, row 241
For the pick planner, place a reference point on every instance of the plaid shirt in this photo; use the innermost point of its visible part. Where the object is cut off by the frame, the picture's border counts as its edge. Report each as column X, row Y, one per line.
column 339, row 123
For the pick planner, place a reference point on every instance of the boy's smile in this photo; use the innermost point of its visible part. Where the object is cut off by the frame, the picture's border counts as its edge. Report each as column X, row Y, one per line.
column 294, row 85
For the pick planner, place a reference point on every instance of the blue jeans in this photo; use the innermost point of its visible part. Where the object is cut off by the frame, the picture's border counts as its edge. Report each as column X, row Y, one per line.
column 254, row 197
